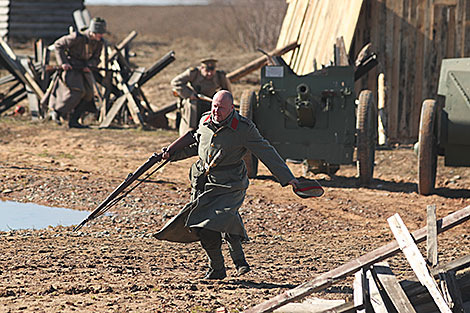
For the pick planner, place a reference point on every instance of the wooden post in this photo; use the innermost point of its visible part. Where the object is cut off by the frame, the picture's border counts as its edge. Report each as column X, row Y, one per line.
column 381, row 110
column 416, row 260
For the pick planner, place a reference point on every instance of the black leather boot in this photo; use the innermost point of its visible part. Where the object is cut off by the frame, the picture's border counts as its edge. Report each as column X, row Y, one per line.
column 237, row 254
column 216, row 265
column 216, row 274
column 73, row 119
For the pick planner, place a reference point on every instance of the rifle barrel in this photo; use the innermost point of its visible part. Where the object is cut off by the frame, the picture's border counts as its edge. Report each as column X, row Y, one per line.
column 154, row 158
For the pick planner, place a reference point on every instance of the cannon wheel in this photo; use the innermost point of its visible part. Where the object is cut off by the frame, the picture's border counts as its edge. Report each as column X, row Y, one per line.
column 247, row 103
column 427, row 148
column 366, row 136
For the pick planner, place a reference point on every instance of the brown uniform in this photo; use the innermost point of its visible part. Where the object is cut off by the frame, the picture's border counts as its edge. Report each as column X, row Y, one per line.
column 192, row 82
column 78, row 50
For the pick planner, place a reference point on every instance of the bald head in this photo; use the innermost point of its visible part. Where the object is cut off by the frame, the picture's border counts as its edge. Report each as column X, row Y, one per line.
column 222, row 105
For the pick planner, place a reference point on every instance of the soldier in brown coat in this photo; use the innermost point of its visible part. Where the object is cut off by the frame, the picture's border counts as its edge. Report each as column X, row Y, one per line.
column 219, row 182
column 202, row 80
column 76, row 53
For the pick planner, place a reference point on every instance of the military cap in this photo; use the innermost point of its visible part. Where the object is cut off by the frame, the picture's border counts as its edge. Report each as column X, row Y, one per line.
column 98, row 25
column 308, row 188
column 209, row 63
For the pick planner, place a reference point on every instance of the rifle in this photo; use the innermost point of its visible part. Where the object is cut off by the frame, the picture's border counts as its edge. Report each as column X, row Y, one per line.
column 113, row 198
column 51, row 68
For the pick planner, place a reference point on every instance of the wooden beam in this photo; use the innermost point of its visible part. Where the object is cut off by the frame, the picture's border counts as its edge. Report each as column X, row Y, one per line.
column 416, row 260
column 431, row 241
column 455, row 265
column 131, row 103
column 359, row 288
column 384, row 275
column 327, row 279
column 377, row 300
column 122, row 44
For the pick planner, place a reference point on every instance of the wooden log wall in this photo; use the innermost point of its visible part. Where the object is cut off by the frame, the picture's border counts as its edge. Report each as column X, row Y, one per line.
column 32, row 19
column 411, row 37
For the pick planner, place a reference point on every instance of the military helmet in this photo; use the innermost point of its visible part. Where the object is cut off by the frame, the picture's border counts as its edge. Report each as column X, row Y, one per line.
column 308, row 188
column 98, row 25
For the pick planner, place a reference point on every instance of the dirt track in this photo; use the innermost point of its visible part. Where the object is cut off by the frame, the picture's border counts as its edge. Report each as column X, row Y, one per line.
column 114, row 264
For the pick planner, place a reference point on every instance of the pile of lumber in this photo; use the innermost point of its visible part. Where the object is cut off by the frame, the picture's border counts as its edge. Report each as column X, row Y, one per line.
column 436, row 288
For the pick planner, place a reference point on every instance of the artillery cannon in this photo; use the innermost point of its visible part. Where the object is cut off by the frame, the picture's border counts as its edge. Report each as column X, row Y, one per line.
column 444, row 127
column 315, row 117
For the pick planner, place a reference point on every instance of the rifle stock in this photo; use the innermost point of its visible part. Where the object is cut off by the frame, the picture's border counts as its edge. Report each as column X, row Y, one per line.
column 177, row 145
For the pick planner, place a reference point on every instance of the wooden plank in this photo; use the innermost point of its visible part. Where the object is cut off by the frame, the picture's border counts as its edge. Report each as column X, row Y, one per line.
column 305, row 33
column 316, row 24
column 451, row 43
column 431, row 241
column 122, row 44
column 341, row 56
column 359, row 290
column 416, row 260
column 296, row 25
column 348, row 307
column 466, row 27
column 376, row 299
column 131, row 104
column 394, row 113
column 328, row 278
column 451, row 291
column 111, row 114
column 390, row 284
column 455, row 265
column 10, row 58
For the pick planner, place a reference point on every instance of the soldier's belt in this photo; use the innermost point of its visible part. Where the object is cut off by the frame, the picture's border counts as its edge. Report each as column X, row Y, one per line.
column 216, row 167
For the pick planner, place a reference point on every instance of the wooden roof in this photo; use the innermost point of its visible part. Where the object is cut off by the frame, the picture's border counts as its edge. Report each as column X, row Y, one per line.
column 316, row 24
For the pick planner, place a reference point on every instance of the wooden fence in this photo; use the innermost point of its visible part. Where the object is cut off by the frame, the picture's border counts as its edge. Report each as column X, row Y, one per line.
column 32, row 19
column 411, row 37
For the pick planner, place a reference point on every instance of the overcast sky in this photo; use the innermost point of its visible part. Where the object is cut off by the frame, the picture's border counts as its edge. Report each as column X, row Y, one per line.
column 146, row 2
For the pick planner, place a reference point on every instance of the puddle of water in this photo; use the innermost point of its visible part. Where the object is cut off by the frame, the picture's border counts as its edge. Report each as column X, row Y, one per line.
column 15, row 215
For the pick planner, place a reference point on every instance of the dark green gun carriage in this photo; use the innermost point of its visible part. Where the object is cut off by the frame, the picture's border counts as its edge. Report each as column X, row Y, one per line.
column 315, row 116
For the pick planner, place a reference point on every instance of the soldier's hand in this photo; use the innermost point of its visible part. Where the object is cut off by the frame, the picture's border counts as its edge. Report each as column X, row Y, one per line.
column 86, row 70
column 193, row 97
column 66, row 67
column 165, row 153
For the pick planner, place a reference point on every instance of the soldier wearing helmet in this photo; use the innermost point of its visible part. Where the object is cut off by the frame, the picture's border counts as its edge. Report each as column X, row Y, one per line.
column 76, row 54
column 203, row 80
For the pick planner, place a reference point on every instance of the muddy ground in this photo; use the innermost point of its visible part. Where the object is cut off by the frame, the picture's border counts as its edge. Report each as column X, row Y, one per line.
column 114, row 265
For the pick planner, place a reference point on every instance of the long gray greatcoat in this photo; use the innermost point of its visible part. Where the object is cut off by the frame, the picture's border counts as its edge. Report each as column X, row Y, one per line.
column 78, row 50
column 190, row 82
column 214, row 205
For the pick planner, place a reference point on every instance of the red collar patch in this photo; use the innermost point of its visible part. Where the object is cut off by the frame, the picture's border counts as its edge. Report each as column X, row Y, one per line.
column 234, row 123
column 207, row 118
